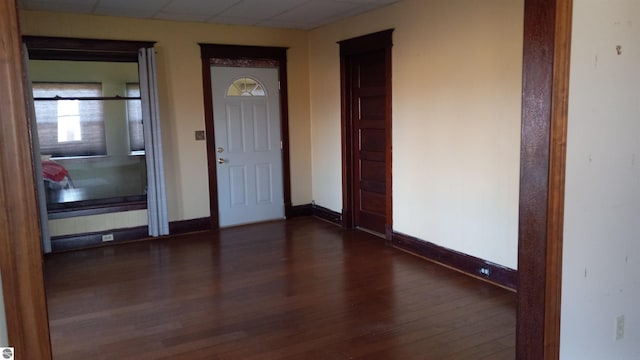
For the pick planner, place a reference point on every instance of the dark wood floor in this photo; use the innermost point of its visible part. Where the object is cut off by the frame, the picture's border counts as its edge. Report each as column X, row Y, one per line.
column 301, row 289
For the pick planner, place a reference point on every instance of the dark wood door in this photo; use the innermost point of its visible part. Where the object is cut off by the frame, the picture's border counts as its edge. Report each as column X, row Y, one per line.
column 369, row 120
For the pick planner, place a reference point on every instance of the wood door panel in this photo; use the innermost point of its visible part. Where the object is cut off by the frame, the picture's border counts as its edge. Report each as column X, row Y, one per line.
column 371, row 70
column 373, row 202
column 370, row 221
column 372, row 155
column 373, row 170
column 372, row 108
column 372, row 140
column 373, row 186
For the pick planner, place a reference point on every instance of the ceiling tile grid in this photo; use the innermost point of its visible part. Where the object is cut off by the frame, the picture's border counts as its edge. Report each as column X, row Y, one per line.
column 295, row 14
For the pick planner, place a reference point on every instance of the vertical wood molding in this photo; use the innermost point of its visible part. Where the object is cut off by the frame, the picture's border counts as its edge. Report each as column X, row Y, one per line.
column 547, row 33
column 557, row 170
column 21, row 255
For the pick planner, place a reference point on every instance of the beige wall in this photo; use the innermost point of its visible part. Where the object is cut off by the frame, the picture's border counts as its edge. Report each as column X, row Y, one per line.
column 601, row 251
column 181, row 96
column 456, row 120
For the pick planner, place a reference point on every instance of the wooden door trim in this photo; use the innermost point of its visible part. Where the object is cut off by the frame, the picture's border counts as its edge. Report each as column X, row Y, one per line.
column 244, row 56
column 21, row 255
column 545, row 91
column 382, row 40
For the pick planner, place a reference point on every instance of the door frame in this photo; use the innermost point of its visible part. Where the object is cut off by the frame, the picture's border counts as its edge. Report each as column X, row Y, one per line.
column 244, row 56
column 381, row 40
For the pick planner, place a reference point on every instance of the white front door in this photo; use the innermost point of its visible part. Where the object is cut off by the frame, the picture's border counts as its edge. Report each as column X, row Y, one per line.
column 246, row 113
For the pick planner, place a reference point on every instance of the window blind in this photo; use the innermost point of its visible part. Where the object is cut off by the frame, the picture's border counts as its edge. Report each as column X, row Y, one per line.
column 134, row 116
column 70, row 127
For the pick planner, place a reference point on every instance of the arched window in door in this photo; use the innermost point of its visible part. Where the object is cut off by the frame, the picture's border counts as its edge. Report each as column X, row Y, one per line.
column 246, row 86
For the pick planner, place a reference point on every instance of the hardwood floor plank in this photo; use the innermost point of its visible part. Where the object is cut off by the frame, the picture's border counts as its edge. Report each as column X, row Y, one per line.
column 297, row 289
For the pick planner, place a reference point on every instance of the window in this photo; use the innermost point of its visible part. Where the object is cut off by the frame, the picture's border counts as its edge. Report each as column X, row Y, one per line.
column 70, row 120
column 134, row 117
column 245, row 87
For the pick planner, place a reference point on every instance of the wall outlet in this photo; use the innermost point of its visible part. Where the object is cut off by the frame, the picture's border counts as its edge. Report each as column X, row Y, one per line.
column 485, row 271
column 620, row 327
column 107, row 237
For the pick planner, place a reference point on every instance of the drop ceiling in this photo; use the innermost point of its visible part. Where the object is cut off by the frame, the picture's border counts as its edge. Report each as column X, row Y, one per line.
column 293, row 14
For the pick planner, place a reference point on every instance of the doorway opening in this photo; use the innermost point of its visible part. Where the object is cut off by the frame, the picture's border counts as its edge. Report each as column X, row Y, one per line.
column 365, row 68
column 249, row 177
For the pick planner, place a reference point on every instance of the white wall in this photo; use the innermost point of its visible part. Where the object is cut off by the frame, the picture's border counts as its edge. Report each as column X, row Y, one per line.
column 456, row 84
column 601, row 263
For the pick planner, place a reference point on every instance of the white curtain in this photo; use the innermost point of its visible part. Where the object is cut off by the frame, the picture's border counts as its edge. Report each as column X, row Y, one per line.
column 156, row 194
column 35, row 154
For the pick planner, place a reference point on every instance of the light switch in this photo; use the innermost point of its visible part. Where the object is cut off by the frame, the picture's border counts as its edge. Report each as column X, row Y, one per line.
column 199, row 134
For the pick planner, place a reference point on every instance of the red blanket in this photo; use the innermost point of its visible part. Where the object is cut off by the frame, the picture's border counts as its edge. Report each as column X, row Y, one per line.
column 53, row 171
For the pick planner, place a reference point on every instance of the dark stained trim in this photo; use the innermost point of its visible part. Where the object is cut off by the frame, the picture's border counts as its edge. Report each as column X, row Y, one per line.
column 300, row 211
column 77, row 49
column 467, row 264
column 243, row 56
column 138, row 233
column 547, row 33
column 189, row 226
column 210, row 140
column 382, row 40
column 327, row 214
column 21, row 256
column 91, row 209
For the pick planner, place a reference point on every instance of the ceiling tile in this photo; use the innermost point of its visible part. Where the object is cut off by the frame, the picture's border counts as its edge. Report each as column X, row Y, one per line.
column 150, row 5
column 296, row 14
column 233, row 20
column 76, row 6
column 181, row 17
column 125, row 12
column 315, row 11
column 256, row 9
column 203, row 7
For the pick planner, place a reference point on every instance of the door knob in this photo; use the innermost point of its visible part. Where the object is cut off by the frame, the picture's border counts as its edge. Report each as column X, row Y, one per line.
column 220, row 149
column 221, row 161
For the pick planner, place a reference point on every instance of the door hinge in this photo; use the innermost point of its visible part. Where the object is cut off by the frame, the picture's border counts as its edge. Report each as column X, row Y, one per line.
column 278, row 85
column 281, row 145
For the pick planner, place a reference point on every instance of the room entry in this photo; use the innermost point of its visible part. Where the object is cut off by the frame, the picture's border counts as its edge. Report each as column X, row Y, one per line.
column 366, row 132
column 248, row 147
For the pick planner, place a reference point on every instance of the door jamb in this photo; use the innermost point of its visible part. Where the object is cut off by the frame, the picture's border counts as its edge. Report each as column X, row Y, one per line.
column 244, row 56
column 545, row 92
column 373, row 42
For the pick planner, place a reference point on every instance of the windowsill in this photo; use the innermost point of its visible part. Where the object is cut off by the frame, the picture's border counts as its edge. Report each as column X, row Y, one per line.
column 96, row 206
column 88, row 157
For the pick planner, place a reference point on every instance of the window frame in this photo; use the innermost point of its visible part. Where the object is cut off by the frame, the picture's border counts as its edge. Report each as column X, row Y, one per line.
column 78, row 49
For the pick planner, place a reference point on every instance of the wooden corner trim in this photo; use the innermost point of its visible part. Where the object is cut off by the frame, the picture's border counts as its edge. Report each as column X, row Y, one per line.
column 327, row 214
column 466, row 264
column 21, row 256
column 125, row 235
